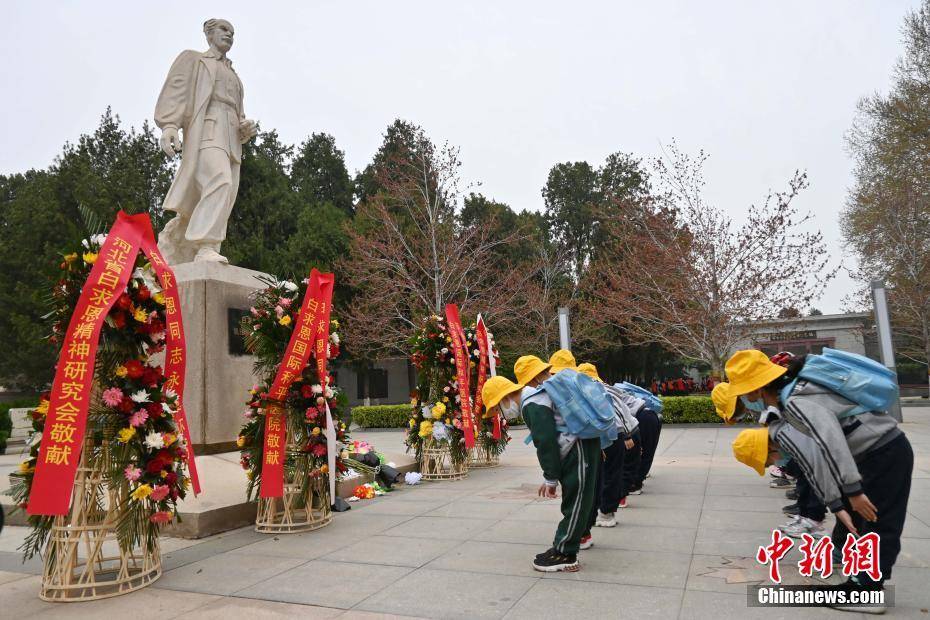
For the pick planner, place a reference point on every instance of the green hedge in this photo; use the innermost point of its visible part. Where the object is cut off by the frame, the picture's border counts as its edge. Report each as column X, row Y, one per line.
column 6, row 422
column 688, row 410
column 382, row 416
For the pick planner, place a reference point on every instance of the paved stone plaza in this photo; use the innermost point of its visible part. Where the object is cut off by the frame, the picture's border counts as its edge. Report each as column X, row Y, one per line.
column 463, row 550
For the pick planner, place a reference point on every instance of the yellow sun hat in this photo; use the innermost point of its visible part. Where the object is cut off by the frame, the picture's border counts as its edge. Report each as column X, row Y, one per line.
column 495, row 389
column 724, row 403
column 751, row 447
column 561, row 360
column 589, row 369
column 528, row 367
column 750, row 370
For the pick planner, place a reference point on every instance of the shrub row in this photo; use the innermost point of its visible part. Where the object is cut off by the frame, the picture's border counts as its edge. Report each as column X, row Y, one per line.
column 688, row 410
column 677, row 410
column 381, row 416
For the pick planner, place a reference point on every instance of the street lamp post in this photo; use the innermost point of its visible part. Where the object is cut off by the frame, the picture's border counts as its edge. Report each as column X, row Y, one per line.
column 565, row 335
column 885, row 343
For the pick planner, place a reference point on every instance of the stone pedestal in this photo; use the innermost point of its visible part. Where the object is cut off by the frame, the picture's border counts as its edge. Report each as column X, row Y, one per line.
column 219, row 373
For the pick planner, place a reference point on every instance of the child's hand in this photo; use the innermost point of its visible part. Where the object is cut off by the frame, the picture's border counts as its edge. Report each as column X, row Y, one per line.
column 864, row 506
column 548, row 492
column 628, row 444
column 843, row 517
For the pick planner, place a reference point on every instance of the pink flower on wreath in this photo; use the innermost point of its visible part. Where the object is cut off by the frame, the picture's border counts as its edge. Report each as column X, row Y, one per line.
column 278, row 311
column 457, row 423
column 132, row 473
column 311, row 414
column 284, row 302
column 159, row 493
column 112, row 397
column 162, row 516
column 318, row 450
column 139, row 418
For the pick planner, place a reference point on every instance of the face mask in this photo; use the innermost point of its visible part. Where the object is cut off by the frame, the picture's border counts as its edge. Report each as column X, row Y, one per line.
column 757, row 406
column 510, row 409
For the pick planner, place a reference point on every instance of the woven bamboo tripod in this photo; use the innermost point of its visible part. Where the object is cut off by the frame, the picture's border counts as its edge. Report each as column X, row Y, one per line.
column 436, row 462
column 81, row 563
column 483, row 456
column 305, row 506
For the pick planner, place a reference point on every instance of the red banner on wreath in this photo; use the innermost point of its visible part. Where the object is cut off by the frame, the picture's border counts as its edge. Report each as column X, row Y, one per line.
column 296, row 356
column 484, row 353
column 462, row 371
column 65, row 423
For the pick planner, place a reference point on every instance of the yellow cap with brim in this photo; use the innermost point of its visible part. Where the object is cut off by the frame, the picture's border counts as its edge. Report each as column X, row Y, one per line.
column 750, row 370
column 724, row 403
column 528, row 368
column 590, row 370
column 751, row 447
column 561, row 360
column 495, row 389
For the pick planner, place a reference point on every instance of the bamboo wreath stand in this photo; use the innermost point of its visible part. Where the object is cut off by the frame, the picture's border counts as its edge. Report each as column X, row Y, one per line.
column 436, row 462
column 483, row 455
column 83, row 559
column 306, row 504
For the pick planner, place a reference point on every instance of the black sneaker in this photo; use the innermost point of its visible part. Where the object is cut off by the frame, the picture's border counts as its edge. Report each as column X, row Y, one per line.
column 553, row 561
column 782, row 483
column 792, row 495
column 791, row 509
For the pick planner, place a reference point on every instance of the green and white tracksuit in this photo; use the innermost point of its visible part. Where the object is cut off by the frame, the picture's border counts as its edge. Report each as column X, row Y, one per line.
column 566, row 460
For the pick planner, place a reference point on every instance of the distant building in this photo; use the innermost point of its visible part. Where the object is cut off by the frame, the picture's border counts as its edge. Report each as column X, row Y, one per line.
column 853, row 332
column 387, row 382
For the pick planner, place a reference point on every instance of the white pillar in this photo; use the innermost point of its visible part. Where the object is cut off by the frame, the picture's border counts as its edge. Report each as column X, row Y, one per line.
column 885, row 343
column 565, row 335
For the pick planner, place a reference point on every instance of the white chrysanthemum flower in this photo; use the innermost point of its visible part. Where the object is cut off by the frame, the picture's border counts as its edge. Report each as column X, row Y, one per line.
column 316, row 388
column 169, row 393
column 329, row 393
column 140, row 397
column 154, row 441
column 166, row 408
column 334, row 338
column 444, row 350
column 99, row 239
column 289, row 286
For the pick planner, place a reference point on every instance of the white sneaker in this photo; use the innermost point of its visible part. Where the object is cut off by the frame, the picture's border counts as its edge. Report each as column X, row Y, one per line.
column 803, row 525
column 776, row 472
column 605, row 520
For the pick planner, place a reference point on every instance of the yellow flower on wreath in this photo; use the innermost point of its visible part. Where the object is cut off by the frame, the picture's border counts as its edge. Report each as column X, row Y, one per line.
column 285, row 320
column 126, row 434
column 90, row 257
column 43, row 407
column 324, row 469
column 445, row 399
column 26, row 467
column 426, row 428
column 169, row 438
column 159, row 298
column 240, row 441
column 316, row 430
column 439, row 409
column 70, row 258
column 413, row 422
column 140, row 315
column 120, row 371
column 141, row 492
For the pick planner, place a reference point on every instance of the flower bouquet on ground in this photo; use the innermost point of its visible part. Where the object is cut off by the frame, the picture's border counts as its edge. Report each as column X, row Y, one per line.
column 132, row 434
column 269, row 327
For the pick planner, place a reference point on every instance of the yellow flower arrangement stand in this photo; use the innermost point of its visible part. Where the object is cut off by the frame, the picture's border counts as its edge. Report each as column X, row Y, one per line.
column 437, row 463
column 305, row 506
column 83, row 559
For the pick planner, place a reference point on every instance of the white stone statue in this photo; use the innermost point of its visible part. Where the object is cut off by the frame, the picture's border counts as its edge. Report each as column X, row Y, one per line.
column 202, row 97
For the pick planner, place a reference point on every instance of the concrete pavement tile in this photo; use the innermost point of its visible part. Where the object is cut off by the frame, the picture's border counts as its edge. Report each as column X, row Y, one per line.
column 549, row 512
column 475, row 508
column 731, row 574
column 361, row 524
column 667, row 487
column 527, row 532
column 758, row 489
column 393, row 551
column 327, row 584
column 637, row 514
column 915, row 553
column 386, row 506
column 305, row 546
column 237, row 607
column 742, row 520
column 712, row 541
column 225, row 573
column 643, row 538
column 209, row 547
column 429, row 492
column 8, row 576
column 652, row 499
column 701, row 605
column 910, row 590
column 22, row 596
column 12, row 561
column 472, row 596
column 559, row 598
column 354, row 614
column 12, row 536
column 915, row 528
column 454, row 528
column 747, row 504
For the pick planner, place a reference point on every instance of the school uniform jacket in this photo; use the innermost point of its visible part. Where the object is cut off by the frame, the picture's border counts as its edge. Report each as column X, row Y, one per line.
column 626, row 406
column 835, row 444
column 543, row 418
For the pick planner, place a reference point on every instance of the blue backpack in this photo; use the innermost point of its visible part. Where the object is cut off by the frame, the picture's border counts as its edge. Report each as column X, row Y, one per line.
column 871, row 386
column 652, row 401
column 584, row 405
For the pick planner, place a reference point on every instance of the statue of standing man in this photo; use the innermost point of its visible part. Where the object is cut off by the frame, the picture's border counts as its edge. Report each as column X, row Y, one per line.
column 202, row 97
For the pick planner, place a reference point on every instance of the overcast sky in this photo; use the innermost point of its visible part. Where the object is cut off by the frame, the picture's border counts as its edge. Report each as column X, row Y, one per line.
column 764, row 87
